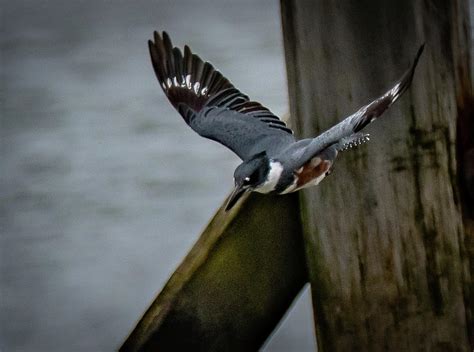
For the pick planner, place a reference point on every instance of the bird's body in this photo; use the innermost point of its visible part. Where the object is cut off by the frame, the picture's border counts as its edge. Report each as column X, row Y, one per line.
column 273, row 160
column 284, row 177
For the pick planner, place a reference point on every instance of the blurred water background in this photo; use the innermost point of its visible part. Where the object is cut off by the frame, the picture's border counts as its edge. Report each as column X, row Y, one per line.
column 104, row 189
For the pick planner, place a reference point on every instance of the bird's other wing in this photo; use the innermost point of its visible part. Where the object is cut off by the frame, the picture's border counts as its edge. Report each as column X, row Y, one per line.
column 211, row 105
column 365, row 115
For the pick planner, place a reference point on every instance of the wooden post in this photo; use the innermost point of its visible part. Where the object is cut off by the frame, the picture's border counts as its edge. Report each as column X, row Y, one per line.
column 388, row 253
column 235, row 284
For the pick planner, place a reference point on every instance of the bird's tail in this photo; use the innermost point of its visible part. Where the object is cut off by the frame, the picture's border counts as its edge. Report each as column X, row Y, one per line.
column 352, row 141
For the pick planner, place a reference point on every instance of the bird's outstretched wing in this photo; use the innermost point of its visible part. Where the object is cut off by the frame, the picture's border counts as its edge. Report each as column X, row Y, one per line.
column 212, row 106
column 365, row 115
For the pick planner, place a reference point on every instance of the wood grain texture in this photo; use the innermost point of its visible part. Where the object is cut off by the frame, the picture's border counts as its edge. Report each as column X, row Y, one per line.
column 388, row 252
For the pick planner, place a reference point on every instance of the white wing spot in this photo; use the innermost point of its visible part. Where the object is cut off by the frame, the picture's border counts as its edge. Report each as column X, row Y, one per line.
column 188, row 81
column 196, row 87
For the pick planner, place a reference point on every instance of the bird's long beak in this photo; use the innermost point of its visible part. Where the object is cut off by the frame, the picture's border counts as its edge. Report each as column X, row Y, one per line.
column 235, row 196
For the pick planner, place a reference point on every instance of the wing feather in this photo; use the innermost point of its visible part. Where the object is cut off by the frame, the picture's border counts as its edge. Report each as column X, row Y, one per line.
column 365, row 115
column 196, row 89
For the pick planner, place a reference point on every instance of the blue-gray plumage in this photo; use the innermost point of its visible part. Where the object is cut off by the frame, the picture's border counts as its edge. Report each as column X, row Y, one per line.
column 273, row 160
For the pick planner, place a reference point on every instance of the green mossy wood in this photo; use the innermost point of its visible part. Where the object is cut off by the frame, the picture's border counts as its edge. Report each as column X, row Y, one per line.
column 388, row 247
column 234, row 286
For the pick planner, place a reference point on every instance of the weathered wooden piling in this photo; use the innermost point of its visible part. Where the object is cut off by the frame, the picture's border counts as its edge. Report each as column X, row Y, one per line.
column 388, row 255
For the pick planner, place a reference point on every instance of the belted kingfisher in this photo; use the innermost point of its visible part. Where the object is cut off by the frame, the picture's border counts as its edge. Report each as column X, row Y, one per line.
column 273, row 161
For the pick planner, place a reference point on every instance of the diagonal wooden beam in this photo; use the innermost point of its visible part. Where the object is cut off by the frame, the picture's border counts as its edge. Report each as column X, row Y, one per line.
column 235, row 284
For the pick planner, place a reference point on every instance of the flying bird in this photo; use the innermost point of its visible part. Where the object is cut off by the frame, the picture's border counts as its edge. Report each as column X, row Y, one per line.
column 273, row 161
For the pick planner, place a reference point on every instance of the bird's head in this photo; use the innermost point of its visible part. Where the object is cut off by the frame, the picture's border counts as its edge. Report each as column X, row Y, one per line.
column 248, row 176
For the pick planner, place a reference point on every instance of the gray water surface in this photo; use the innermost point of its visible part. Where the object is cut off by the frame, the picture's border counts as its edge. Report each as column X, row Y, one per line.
column 104, row 189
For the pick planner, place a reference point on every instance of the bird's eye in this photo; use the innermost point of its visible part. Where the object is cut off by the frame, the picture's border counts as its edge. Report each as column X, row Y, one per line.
column 247, row 180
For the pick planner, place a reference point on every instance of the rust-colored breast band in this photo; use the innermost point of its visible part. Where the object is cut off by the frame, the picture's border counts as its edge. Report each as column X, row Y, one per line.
column 311, row 170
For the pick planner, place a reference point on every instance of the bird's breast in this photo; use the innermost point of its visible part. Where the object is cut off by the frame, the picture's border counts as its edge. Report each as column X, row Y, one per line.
column 310, row 174
column 273, row 177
